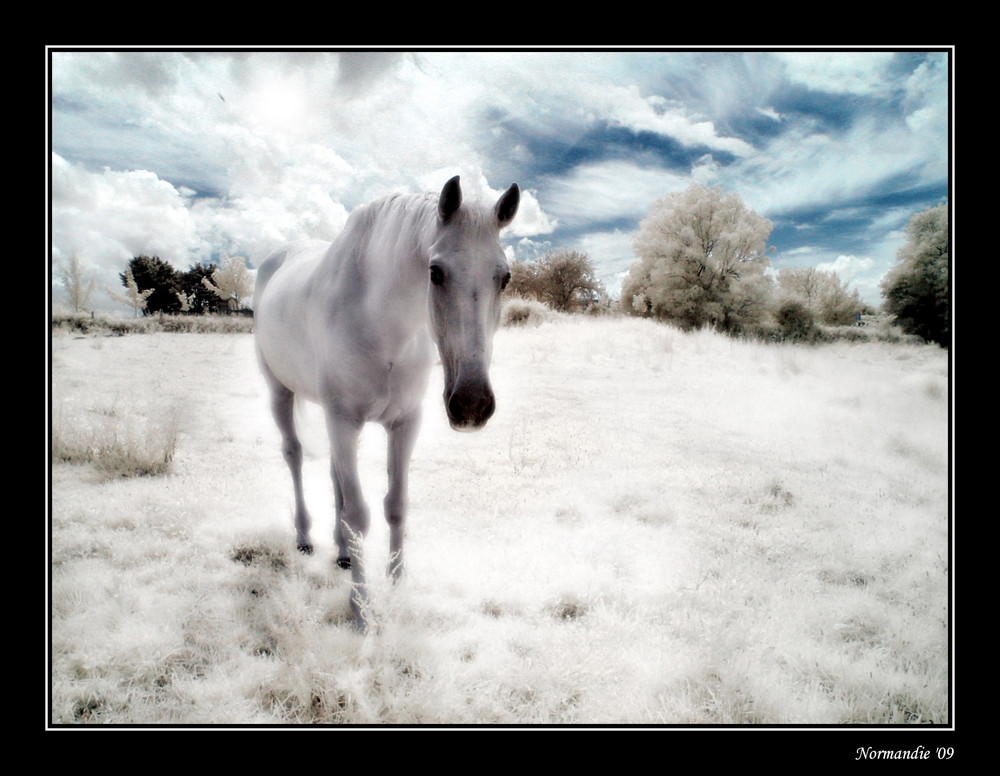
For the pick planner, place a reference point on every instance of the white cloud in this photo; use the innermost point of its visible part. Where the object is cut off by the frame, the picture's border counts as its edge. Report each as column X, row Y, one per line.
column 625, row 107
column 609, row 190
column 854, row 72
column 847, row 267
column 107, row 218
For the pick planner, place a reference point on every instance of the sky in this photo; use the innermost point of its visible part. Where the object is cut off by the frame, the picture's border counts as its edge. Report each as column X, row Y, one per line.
column 192, row 155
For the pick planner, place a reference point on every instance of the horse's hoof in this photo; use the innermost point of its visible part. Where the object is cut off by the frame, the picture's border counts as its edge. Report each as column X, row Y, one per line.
column 305, row 549
column 344, row 563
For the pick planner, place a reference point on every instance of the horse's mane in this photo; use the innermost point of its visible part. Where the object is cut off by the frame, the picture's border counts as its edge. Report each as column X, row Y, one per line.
column 411, row 210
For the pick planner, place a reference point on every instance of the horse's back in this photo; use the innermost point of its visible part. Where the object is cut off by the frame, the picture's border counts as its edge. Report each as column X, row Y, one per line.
column 292, row 255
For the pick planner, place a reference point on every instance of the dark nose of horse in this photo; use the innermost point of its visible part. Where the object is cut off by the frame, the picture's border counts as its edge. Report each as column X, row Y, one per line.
column 469, row 407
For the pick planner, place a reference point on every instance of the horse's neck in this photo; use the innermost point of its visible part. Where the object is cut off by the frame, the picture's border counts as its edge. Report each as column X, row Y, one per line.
column 402, row 233
column 395, row 265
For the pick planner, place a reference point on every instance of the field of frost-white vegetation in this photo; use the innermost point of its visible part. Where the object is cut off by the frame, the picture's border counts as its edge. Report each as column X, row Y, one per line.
column 656, row 528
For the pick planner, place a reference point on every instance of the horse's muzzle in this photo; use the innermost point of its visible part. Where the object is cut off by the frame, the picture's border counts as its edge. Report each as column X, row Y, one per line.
column 470, row 406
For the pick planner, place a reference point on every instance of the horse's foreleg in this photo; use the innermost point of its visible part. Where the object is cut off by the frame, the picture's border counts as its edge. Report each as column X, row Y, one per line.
column 352, row 512
column 402, row 437
column 282, row 408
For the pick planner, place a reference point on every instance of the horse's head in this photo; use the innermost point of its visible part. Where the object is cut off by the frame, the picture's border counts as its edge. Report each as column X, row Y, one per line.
column 467, row 273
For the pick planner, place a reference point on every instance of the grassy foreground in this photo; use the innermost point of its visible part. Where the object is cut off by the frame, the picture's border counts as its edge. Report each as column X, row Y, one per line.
column 656, row 528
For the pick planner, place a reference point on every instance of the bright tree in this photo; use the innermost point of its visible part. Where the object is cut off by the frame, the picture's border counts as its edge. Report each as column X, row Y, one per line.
column 132, row 297
column 564, row 279
column 917, row 289
column 822, row 292
column 231, row 281
column 701, row 261
column 78, row 288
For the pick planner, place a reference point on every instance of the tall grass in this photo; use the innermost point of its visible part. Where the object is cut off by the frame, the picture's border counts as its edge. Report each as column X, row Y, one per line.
column 117, row 443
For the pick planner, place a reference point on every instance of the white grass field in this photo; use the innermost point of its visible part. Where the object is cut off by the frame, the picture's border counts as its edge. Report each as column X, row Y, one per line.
column 656, row 528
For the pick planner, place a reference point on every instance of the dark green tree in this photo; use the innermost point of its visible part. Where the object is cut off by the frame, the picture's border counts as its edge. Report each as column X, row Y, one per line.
column 156, row 274
column 917, row 289
column 202, row 300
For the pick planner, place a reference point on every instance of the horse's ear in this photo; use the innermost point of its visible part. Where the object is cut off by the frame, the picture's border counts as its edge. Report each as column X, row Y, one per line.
column 506, row 207
column 450, row 200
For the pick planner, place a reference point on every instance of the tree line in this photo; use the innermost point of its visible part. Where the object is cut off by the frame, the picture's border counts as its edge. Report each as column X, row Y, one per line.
column 152, row 286
column 702, row 261
column 796, row 299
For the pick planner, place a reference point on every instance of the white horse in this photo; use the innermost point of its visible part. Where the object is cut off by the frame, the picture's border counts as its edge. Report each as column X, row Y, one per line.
column 352, row 325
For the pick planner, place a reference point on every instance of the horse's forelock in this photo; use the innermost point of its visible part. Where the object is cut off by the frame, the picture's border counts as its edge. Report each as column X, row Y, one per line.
column 476, row 217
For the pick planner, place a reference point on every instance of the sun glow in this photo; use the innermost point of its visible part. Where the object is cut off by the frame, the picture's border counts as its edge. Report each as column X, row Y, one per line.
column 280, row 104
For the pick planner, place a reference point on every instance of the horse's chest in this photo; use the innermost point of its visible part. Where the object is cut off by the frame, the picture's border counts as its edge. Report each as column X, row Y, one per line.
column 383, row 388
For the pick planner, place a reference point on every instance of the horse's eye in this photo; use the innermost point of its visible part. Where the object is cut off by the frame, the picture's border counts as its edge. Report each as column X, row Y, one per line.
column 504, row 281
column 437, row 275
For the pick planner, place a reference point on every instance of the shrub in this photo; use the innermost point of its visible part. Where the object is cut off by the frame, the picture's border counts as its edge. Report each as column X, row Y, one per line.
column 795, row 321
column 518, row 311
